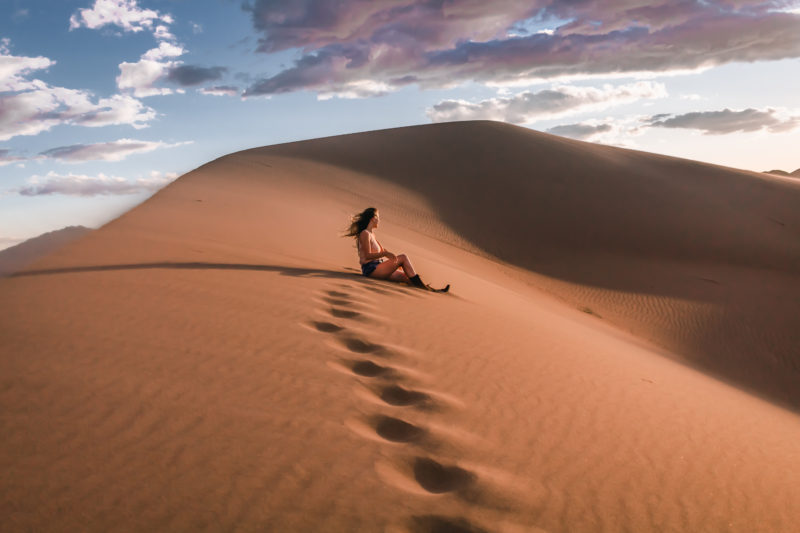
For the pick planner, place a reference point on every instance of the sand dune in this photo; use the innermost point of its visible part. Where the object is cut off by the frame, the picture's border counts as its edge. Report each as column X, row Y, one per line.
column 617, row 353
column 710, row 254
column 16, row 257
column 796, row 173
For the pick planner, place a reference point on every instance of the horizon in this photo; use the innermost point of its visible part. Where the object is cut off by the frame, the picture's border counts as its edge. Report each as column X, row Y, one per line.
column 107, row 101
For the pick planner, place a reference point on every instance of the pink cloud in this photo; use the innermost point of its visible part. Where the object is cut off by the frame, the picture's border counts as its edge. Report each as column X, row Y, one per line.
column 558, row 101
column 313, row 24
column 729, row 121
column 83, row 185
column 437, row 44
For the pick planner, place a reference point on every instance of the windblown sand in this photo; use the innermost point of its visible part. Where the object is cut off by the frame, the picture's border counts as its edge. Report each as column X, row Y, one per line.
column 19, row 256
column 619, row 351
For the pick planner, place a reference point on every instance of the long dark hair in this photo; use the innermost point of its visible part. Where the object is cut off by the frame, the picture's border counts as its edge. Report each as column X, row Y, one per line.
column 359, row 222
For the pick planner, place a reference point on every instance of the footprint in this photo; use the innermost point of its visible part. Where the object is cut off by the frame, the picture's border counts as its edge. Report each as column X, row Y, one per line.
column 327, row 327
column 369, row 369
column 338, row 301
column 354, row 344
column 344, row 313
column 396, row 430
column 337, row 294
column 376, row 289
column 443, row 524
column 397, row 395
column 438, row 478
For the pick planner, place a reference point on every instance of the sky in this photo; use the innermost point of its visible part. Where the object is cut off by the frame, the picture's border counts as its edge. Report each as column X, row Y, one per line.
column 103, row 102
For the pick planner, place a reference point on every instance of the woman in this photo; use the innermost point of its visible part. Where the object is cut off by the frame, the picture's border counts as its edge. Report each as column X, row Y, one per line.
column 376, row 261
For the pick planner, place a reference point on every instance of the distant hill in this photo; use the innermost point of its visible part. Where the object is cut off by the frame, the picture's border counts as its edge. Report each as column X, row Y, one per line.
column 795, row 174
column 18, row 256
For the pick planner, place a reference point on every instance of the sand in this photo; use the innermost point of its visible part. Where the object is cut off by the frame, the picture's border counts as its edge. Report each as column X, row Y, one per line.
column 15, row 258
column 617, row 353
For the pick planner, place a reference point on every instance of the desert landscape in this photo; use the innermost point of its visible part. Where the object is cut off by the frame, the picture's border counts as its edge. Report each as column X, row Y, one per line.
column 17, row 257
column 618, row 351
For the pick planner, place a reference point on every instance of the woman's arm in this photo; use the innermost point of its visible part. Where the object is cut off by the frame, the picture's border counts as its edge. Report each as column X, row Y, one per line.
column 363, row 238
column 384, row 251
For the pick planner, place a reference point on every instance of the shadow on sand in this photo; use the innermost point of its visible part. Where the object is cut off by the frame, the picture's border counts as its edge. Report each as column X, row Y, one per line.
column 348, row 274
column 283, row 270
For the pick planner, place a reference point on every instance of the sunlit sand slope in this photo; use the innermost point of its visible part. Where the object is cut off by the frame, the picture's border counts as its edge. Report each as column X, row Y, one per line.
column 615, row 355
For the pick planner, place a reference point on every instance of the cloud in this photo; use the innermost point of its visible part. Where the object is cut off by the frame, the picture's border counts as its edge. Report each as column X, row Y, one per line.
column 32, row 112
column 31, row 106
column 439, row 44
column 13, row 69
column 220, row 90
column 313, row 24
column 6, row 158
column 614, row 131
column 125, row 14
column 7, row 242
column 188, row 75
column 20, row 14
column 108, row 151
column 82, row 185
column 728, row 121
column 355, row 89
column 580, row 131
column 141, row 77
column 561, row 100
column 163, row 51
column 118, row 109
column 162, row 33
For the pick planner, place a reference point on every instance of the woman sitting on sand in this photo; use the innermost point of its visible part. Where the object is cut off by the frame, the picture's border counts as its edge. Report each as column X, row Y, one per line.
column 376, row 261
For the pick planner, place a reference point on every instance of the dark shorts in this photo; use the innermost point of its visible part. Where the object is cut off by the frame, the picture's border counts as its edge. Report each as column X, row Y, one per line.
column 369, row 268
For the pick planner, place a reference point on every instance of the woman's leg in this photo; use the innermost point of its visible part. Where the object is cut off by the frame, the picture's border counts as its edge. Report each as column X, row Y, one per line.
column 385, row 269
column 399, row 276
column 389, row 269
column 405, row 263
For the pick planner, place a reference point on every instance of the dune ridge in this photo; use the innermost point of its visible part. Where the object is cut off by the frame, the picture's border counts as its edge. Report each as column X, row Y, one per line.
column 633, row 230
column 616, row 354
column 20, row 255
column 796, row 173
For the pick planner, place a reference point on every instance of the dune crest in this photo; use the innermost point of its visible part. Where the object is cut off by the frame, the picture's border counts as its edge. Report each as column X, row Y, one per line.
column 700, row 258
column 20, row 255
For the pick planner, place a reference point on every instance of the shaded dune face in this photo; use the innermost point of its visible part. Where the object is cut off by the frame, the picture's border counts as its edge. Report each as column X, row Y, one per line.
column 608, row 221
column 559, row 195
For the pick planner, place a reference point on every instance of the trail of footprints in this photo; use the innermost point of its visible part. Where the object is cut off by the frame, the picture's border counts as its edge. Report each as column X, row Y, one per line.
column 417, row 472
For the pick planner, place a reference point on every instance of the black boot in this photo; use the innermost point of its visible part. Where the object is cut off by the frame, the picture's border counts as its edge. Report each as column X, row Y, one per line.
column 415, row 281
